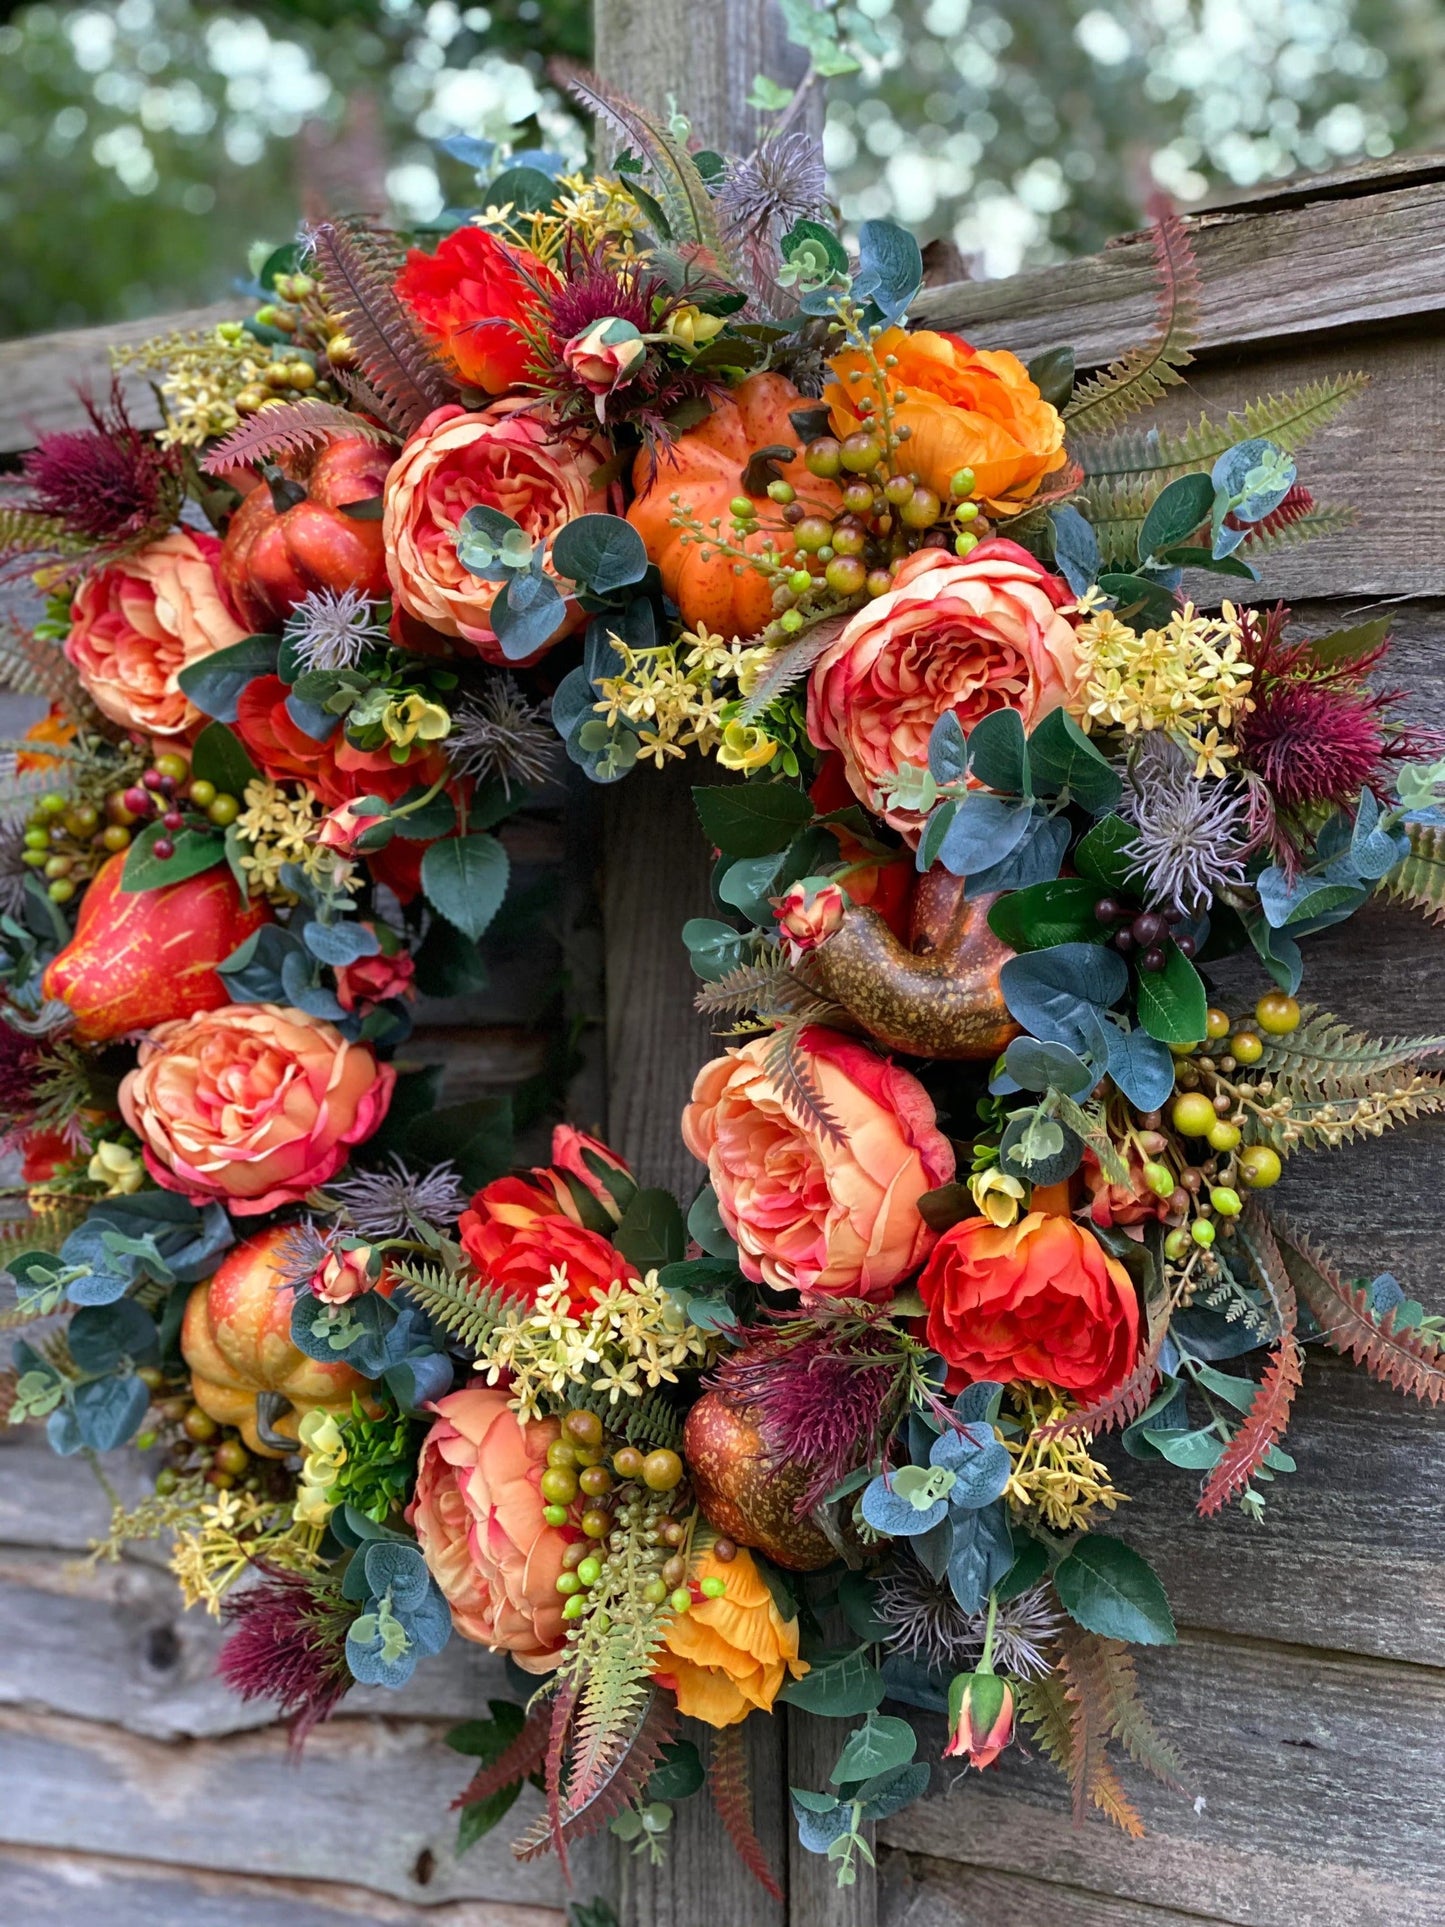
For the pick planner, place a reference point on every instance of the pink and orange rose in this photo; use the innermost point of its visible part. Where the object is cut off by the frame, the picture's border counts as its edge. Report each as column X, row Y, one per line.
column 137, row 623
column 962, row 634
column 477, row 1515
column 812, row 1212
column 1040, row 1299
column 251, row 1105
column 507, row 457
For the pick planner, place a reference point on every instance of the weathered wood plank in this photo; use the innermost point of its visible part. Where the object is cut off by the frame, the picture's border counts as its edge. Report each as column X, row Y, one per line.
column 915, row 1891
column 1313, row 1782
column 47, row 1889
column 814, row 1896
column 243, row 1805
column 1336, row 263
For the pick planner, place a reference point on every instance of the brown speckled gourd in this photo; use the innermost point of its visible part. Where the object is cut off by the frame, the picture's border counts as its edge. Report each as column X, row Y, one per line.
column 938, row 998
column 743, row 1492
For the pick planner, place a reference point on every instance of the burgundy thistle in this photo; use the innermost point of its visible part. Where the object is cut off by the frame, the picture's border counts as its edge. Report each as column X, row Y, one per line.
column 1317, row 732
column 822, row 1396
column 288, row 1643
column 19, row 1063
column 111, row 484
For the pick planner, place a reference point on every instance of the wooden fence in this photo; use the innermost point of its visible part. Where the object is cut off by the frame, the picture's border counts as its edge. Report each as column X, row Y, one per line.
column 1307, row 1694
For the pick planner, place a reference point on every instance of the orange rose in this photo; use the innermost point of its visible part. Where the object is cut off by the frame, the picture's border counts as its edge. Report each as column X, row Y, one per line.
column 140, row 958
column 251, row 1105
column 503, row 458
column 969, row 635
column 519, row 1229
column 477, row 1514
column 136, row 623
column 730, row 1655
column 472, row 297
column 964, row 408
column 1040, row 1299
column 811, row 1213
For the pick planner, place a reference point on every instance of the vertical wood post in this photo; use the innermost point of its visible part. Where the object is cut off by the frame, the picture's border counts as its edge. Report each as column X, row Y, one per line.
column 702, row 55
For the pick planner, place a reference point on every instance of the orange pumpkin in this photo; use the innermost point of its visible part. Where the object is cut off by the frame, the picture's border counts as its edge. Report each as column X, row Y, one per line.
column 236, row 1338
column 282, row 545
column 704, row 472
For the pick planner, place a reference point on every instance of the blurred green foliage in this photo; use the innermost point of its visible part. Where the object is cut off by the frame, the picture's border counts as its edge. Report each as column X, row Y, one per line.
column 144, row 144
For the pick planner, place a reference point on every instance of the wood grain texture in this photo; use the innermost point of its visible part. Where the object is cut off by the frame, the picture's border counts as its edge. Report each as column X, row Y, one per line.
column 1311, row 1783
column 814, row 1896
column 48, row 1889
column 914, row 1891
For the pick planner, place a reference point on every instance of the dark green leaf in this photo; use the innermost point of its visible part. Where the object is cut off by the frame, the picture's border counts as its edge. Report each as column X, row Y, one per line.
column 841, row 1690
column 220, row 757
column 465, row 879
column 1138, row 601
column 1052, row 373
column 1062, row 757
column 1107, row 1588
column 1172, row 1002
column 880, row 1745
column 652, row 1232
column 998, row 753
column 1099, row 853
column 678, row 1773
column 1047, row 914
column 195, row 851
column 1349, row 645
column 1175, row 513
column 214, row 684
column 601, row 552
column 751, row 819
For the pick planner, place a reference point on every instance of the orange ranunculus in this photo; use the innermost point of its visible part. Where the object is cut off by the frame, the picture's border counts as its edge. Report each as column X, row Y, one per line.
column 967, row 634
column 811, row 1213
column 964, row 408
column 136, row 623
column 140, row 958
column 519, row 1229
column 251, row 1105
column 1040, row 1299
column 473, row 297
column 477, row 1514
column 507, row 457
column 726, row 1657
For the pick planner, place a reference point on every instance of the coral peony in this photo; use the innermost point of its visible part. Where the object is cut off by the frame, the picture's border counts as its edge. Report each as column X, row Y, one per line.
column 822, row 1214
column 473, row 297
column 503, row 458
column 140, row 958
column 252, row 1105
column 729, row 1655
column 969, row 635
column 477, row 1514
column 1040, row 1299
column 136, row 623
column 964, row 408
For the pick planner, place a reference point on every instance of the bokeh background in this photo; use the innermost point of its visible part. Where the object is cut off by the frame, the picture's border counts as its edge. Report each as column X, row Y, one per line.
column 146, row 144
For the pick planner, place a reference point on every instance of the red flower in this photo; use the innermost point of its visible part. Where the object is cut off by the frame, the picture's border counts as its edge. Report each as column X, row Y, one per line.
column 473, row 297
column 371, row 980
column 517, row 1235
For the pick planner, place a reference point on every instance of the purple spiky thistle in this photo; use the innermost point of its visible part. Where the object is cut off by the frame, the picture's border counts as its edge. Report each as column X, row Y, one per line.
column 288, row 1643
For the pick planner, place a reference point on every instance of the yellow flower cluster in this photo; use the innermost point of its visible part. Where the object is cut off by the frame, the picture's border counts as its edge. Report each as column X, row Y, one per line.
column 279, row 828
column 202, row 372
column 595, row 212
column 628, row 1341
column 667, row 692
column 1187, row 678
column 1056, row 1478
column 230, row 1532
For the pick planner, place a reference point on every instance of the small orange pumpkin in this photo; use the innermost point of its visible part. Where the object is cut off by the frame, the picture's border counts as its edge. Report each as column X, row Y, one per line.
column 236, row 1338
column 704, row 471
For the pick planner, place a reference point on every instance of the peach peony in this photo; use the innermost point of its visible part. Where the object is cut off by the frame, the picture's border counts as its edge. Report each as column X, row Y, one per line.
column 964, row 408
column 727, row 1656
column 251, row 1105
column 136, row 623
column 969, row 634
column 1040, row 1299
column 477, row 1514
column 811, row 1213
column 504, row 458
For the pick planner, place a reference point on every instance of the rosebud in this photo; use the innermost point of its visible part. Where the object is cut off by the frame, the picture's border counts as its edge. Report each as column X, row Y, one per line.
column 346, row 1273
column 345, row 827
column 807, row 917
column 980, row 1717
column 997, row 1195
column 117, row 1167
column 605, row 356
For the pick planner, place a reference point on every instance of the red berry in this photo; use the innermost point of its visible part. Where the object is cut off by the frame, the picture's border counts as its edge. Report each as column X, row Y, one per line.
column 1108, row 910
column 1123, row 941
column 1147, row 929
column 1151, row 959
column 173, row 820
column 137, row 801
column 1185, row 944
column 152, row 779
column 167, row 786
column 163, row 848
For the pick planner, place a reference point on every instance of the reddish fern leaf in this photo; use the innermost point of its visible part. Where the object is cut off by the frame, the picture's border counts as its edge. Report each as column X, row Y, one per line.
column 1091, row 1723
column 1127, row 1400
column 564, row 1705
column 358, row 272
column 293, row 430
column 1264, row 1423
column 727, row 1779
column 515, row 1762
column 1402, row 1359
column 1142, row 375
column 621, row 1786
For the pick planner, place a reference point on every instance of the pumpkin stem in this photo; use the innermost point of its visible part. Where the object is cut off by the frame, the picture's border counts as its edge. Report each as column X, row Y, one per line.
column 285, row 493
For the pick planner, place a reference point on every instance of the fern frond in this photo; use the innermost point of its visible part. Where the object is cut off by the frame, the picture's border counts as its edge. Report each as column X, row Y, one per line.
column 767, row 984
column 1155, row 455
column 1419, row 879
column 25, row 532
column 681, row 190
column 465, row 1308
column 357, row 266
column 1287, row 529
column 790, row 663
column 517, row 1761
column 648, row 1421
column 1129, row 1398
column 1113, row 1687
column 1263, row 1425
column 786, row 1063
column 1143, row 374
column 1342, row 1311
column 727, row 1782
column 564, row 1705
column 32, row 665
column 1318, row 1122
column 621, row 1784
column 293, row 430
column 1325, row 1057
column 1091, row 1776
